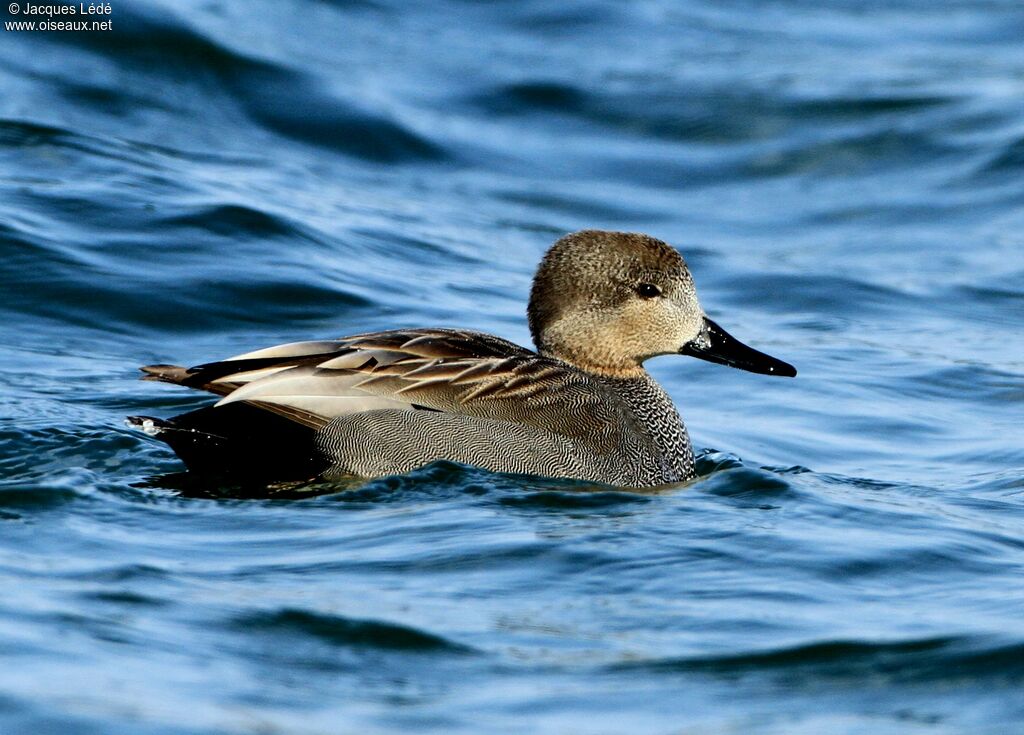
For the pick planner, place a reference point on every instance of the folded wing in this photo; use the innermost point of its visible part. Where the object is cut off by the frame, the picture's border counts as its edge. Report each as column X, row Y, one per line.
column 453, row 371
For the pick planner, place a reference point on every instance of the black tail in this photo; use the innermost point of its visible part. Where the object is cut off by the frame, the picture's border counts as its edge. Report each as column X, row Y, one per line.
column 238, row 440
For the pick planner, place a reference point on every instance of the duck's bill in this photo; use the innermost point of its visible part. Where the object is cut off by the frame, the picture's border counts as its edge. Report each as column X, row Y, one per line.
column 716, row 345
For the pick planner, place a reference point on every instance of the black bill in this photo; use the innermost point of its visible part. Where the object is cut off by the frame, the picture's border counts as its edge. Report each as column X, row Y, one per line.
column 716, row 345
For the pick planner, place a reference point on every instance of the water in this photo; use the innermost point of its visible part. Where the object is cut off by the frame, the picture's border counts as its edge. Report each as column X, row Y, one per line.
column 212, row 177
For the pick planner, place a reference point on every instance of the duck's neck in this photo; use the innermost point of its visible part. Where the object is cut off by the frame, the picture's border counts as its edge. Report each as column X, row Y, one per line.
column 657, row 417
column 598, row 356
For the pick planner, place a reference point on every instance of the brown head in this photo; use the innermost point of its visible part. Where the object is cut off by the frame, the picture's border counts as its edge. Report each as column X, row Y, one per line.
column 607, row 301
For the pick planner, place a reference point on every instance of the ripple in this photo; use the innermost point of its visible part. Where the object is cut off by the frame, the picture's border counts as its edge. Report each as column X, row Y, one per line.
column 288, row 101
column 860, row 107
column 126, row 598
column 746, row 483
column 580, row 499
column 120, row 573
column 817, row 294
column 68, row 284
column 520, row 97
column 33, row 497
column 21, row 133
column 1008, row 161
column 917, row 660
column 235, row 220
column 340, row 631
column 300, row 107
column 717, row 116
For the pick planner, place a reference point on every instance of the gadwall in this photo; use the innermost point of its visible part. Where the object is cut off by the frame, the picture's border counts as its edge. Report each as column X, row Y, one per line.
column 383, row 403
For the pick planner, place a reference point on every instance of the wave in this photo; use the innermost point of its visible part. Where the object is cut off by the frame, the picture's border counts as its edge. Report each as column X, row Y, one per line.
column 336, row 630
column 583, row 498
column 912, row 660
column 294, row 103
column 716, row 116
column 32, row 497
column 236, row 221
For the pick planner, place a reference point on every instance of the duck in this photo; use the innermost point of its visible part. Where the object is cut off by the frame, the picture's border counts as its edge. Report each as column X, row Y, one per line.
column 580, row 406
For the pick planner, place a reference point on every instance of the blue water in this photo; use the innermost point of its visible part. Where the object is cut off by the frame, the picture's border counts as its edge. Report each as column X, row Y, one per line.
column 846, row 180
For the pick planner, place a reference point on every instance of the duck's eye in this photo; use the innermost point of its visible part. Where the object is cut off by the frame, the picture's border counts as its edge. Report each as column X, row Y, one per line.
column 648, row 290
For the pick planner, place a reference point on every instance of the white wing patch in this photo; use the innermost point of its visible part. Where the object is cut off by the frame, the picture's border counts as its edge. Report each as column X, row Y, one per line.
column 328, row 396
column 292, row 349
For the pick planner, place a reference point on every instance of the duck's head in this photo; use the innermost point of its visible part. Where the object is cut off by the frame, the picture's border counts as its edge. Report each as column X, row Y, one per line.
column 607, row 301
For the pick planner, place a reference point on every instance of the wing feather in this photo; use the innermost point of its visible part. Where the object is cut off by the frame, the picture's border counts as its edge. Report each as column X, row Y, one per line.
column 454, row 371
column 291, row 350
